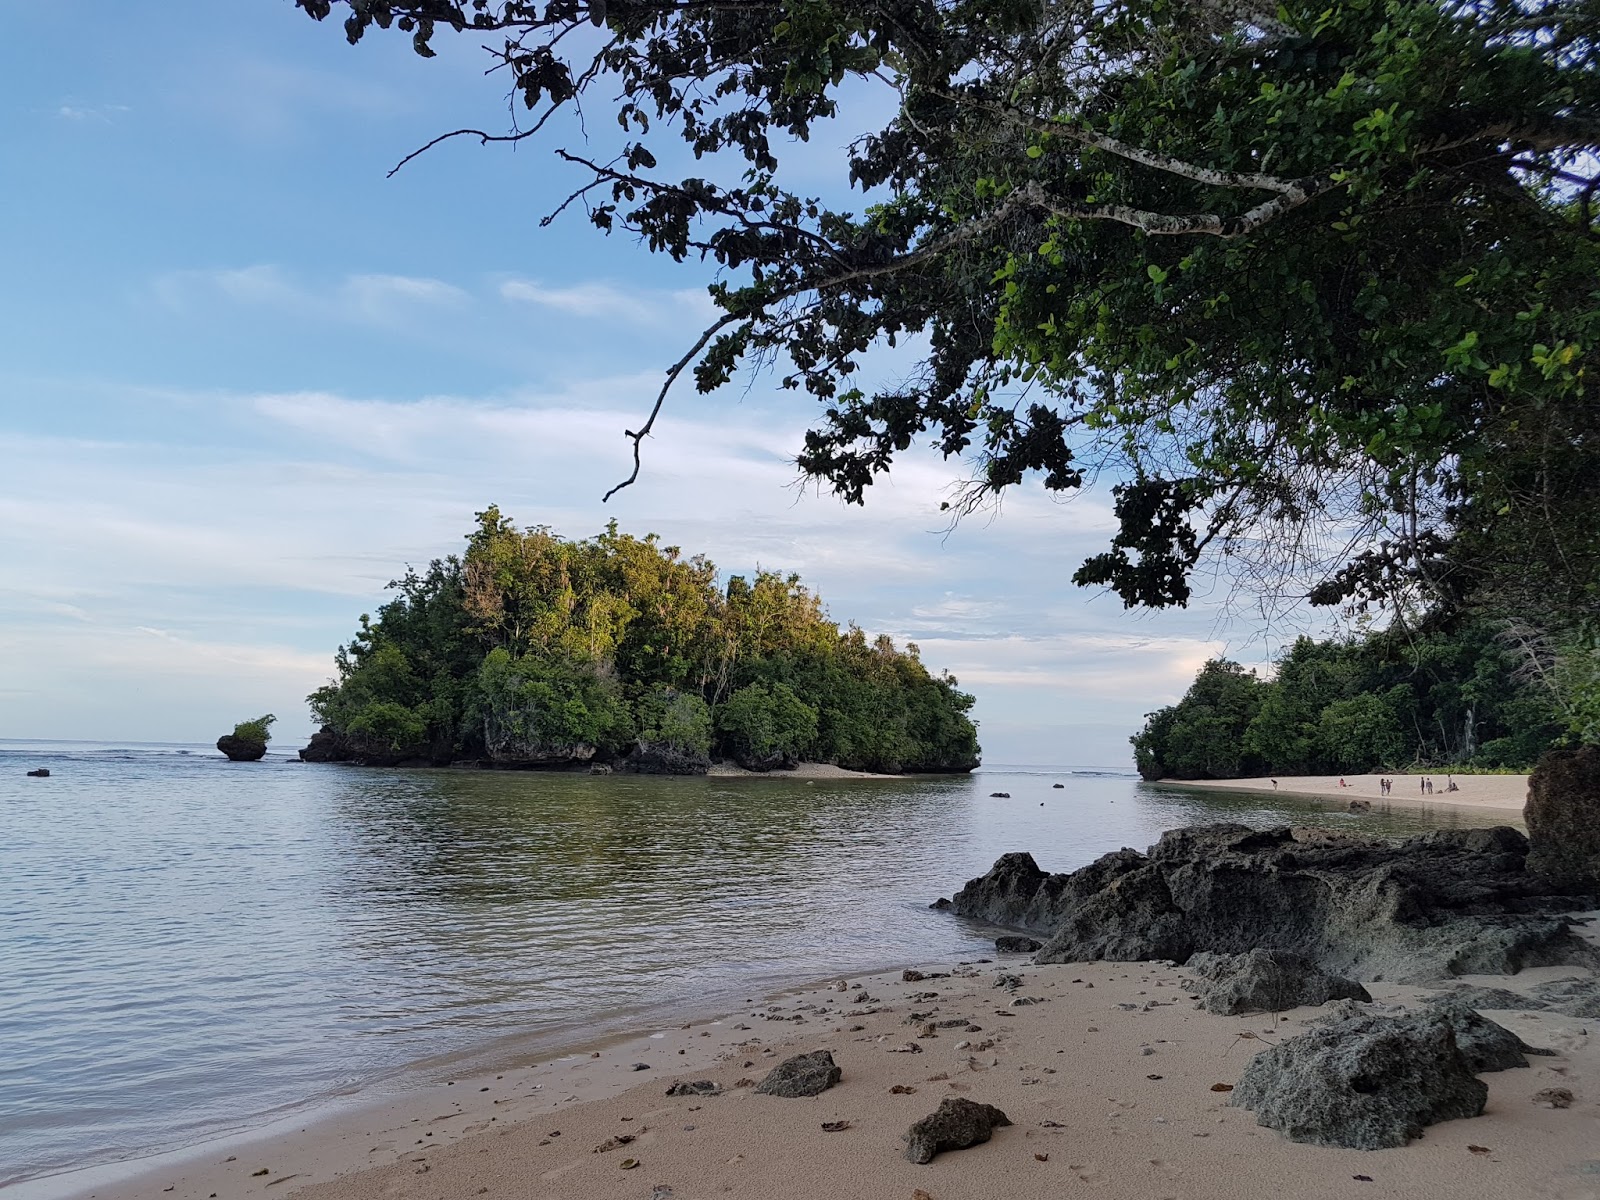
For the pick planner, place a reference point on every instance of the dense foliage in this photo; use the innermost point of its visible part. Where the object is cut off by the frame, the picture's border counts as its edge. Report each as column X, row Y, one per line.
column 1382, row 702
column 532, row 649
column 1318, row 283
column 259, row 729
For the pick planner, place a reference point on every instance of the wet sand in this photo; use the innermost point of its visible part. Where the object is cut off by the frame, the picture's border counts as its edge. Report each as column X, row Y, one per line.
column 1498, row 792
column 1106, row 1071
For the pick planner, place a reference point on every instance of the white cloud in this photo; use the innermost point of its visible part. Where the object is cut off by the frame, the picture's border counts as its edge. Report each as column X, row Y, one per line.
column 637, row 306
column 247, row 563
column 369, row 299
column 99, row 113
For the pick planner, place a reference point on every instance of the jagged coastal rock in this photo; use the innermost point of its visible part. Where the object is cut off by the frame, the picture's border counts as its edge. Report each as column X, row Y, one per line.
column 240, row 749
column 1450, row 902
column 957, row 1124
column 664, row 760
column 1265, row 981
column 1563, row 816
column 1017, row 943
column 1363, row 1082
column 803, row 1075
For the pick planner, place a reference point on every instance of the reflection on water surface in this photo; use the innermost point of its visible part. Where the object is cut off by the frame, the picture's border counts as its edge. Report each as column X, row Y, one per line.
column 192, row 944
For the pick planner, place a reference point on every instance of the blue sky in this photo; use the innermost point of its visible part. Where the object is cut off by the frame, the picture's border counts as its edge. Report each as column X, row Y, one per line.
column 244, row 378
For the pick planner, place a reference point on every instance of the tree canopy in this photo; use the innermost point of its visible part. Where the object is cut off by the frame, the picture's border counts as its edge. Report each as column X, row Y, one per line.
column 1313, row 285
column 530, row 649
column 1387, row 701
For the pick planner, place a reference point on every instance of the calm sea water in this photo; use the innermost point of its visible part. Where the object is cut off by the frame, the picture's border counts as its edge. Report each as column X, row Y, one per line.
column 189, row 947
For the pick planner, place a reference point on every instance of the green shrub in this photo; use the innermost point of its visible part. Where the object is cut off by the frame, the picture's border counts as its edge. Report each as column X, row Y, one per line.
column 257, row 730
column 675, row 720
column 761, row 722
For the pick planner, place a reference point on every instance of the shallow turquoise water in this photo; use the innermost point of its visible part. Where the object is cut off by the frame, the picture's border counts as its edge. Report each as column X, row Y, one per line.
column 189, row 945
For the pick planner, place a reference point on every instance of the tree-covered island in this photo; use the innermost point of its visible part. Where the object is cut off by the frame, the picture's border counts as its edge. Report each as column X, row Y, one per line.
column 530, row 650
column 1467, row 697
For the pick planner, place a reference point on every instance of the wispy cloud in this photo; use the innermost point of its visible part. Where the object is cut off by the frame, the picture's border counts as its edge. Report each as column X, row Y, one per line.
column 640, row 306
column 97, row 113
column 369, row 299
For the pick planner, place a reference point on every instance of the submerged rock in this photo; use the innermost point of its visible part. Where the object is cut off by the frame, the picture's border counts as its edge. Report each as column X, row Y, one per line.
column 957, row 1124
column 803, row 1075
column 39, row 773
column 1363, row 1082
column 1265, row 981
column 240, row 749
column 1450, row 902
column 1563, row 816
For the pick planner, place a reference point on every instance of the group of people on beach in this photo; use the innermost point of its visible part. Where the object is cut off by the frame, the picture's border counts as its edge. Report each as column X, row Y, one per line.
column 1427, row 785
column 1386, row 786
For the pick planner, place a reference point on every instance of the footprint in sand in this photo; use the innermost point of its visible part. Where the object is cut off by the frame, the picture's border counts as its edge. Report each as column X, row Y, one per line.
column 1090, row 1173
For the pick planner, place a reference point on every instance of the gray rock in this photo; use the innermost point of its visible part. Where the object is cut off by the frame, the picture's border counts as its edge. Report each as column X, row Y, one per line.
column 1365, row 1083
column 1485, row 997
column 1450, row 902
column 1572, row 997
column 957, row 1124
column 1016, row 943
column 1265, row 981
column 803, row 1075
column 698, row 1087
column 1563, row 817
column 652, row 759
column 1485, row 1045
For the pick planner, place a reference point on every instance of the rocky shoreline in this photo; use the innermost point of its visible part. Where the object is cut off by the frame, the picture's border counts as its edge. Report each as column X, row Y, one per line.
column 1446, row 903
column 327, row 745
column 1276, row 919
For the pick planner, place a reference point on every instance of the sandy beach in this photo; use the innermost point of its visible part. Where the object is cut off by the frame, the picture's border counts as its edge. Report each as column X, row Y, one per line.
column 813, row 771
column 1500, row 792
column 1107, row 1072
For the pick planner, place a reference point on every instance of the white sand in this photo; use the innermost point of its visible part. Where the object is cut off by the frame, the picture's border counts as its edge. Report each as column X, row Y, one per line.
column 1501, row 792
column 726, row 770
column 1093, row 1114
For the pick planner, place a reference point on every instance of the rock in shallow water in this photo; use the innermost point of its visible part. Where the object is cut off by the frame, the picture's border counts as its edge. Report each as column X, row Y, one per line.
column 241, row 749
column 1450, row 902
column 1265, row 981
column 803, row 1075
column 957, row 1124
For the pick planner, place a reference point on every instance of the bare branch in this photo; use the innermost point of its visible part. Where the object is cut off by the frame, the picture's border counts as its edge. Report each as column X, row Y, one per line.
column 1171, row 224
column 673, row 372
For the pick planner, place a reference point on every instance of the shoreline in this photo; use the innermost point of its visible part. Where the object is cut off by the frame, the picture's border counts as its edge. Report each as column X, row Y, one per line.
column 808, row 771
column 1498, row 793
column 1111, row 1086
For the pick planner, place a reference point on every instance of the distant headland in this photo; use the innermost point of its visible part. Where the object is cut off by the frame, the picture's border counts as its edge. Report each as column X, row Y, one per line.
column 618, row 653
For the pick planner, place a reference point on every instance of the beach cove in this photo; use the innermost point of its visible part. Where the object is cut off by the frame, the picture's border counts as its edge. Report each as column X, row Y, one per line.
column 458, row 950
